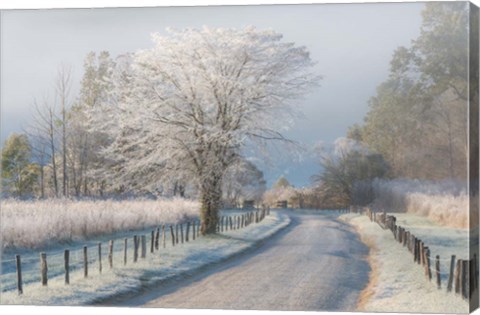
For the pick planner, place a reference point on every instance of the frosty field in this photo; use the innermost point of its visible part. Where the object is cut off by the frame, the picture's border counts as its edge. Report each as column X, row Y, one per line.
column 39, row 224
column 162, row 265
column 444, row 202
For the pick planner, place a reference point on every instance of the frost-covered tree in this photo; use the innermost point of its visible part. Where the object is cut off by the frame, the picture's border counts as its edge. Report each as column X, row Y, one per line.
column 418, row 117
column 243, row 181
column 282, row 182
column 189, row 105
column 85, row 142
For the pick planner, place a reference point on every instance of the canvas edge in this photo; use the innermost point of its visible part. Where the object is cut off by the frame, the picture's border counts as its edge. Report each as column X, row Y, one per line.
column 473, row 176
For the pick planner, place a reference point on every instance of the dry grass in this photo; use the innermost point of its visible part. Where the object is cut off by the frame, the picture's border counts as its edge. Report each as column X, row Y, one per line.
column 445, row 202
column 34, row 224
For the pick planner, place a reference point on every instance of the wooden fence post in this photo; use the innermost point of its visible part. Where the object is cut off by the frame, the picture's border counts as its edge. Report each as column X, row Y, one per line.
column 144, row 246
column 230, row 221
column 157, row 238
column 437, row 271
column 100, row 257
column 125, row 245
column 464, row 278
column 450, row 276
column 181, row 232
column 66, row 257
column 473, row 274
column 425, row 266
column 187, row 231
column 176, row 234
column 458, row 272
column 152, row 241
column 85, row 262
column 164, row 236
column 414, row 247
column 43, row 268
column 421, row 249
column 173, row 235
column 19, row 274
column 418, row 251
column 110, row 254
column 135, row 248
column 193, row 231
column 238, row 222
column 428, row 265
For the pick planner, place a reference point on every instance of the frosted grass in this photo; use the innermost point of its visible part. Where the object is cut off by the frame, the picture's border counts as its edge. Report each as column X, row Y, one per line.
column 445, row 202
column 396, row 283
column 166, row 263
column 39, row 224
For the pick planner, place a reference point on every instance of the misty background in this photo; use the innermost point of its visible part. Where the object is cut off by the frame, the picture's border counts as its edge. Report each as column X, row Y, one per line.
column 351, row 43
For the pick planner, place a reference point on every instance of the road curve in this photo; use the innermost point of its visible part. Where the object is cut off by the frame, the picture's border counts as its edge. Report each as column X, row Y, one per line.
column 315, row 264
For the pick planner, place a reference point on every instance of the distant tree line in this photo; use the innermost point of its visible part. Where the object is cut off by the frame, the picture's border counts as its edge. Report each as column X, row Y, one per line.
column 417, row 123
column 418, row 120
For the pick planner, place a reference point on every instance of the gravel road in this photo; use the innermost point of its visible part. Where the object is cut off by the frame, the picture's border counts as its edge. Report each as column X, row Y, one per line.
column 315, row 264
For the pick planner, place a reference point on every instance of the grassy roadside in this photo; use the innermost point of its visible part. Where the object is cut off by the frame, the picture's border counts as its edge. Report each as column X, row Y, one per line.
column 162, row 265
column 396, row 284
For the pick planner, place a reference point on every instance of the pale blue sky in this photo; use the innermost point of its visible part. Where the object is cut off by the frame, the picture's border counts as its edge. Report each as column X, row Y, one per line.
column 352, row 43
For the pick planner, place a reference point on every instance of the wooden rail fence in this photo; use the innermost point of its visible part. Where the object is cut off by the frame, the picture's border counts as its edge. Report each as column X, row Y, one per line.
column 462, row 274
column 139, row 242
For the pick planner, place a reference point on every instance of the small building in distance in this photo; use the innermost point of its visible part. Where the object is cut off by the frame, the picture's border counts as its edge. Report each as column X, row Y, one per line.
column 282, row 204
column 248, row 204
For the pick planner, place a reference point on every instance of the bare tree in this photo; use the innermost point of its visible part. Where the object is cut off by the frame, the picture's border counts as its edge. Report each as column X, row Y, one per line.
column 43, row 130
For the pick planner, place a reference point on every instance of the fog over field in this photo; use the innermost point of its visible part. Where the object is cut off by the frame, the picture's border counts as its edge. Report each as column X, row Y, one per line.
column 352, row 45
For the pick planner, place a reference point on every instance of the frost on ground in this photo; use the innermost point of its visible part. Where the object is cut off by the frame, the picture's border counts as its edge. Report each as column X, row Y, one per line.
column 396, row 283
column 37, row 224
column 445, row 202
column 162, row 265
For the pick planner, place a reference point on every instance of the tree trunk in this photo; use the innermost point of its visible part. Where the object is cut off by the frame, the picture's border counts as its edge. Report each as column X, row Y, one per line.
column 211, row 200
